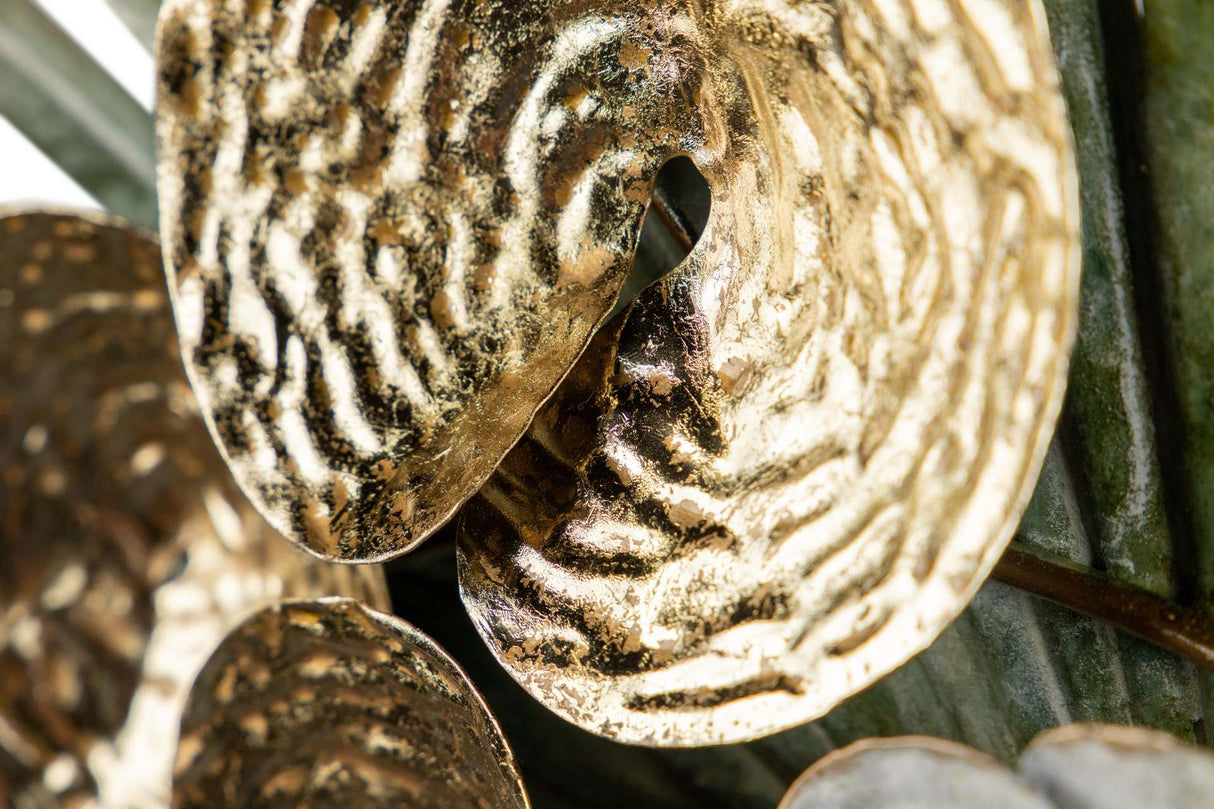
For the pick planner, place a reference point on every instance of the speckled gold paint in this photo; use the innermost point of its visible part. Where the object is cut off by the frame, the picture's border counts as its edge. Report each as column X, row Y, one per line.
column 785, row 469
column 355, row 708
column 391, row 227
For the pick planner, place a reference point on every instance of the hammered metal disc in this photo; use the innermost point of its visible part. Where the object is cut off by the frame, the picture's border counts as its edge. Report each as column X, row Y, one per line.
column 392, row 227
column 910, row 773
column 331, row 704
column 1113, row 767
column 1074, row 767
column 802, row 452
column 126, row 550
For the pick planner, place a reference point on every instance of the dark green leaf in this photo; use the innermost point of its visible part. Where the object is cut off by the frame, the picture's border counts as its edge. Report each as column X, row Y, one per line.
column 1178, row 134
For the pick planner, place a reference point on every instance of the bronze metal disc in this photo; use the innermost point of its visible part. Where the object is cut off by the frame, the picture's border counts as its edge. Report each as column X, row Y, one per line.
column 331, row 704
column 126, row 549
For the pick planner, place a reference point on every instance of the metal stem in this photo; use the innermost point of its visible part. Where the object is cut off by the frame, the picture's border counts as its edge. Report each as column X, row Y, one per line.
column 1186, row 631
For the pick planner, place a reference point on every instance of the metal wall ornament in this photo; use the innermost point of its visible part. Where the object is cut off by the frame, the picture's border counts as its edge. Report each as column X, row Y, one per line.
column 330, row 703
column 393, row 227
column 128, row 550
column 797, row 457
column 1072, row 767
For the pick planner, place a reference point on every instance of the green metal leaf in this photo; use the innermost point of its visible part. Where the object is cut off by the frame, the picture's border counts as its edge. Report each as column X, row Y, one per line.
column 1178, row 134
column 72, row 110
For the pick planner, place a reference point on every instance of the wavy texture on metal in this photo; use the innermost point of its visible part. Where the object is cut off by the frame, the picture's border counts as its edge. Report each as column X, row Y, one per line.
column 128, row 550
column 329, row 703
column 794, row 460
column 392, row 227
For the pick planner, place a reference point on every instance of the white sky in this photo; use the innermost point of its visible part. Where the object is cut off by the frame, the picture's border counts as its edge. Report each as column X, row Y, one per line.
column 26, row 175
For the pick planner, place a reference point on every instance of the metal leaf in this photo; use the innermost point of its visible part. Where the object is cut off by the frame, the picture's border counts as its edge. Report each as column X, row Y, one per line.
column 1176, row 171
column 795, row 461
column 329, row 703
column 127, row 549
column 1012, row 665
column 393, row 226
column 1075, row 767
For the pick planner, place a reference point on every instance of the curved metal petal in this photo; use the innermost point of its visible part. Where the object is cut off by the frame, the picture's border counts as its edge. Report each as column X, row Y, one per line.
column 392, row 227
column 1111, row 767
column 127, row 550
column 329, row 703
column 800, row 454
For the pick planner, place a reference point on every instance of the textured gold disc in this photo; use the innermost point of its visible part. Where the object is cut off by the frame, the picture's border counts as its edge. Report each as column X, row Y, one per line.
column 392, row 227
column 128, row 551
column 795, row 459
column 331, row 704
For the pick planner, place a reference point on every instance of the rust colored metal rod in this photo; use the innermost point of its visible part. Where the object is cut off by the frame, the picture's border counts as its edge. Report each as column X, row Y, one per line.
column 1186, row 631
column 673, row 221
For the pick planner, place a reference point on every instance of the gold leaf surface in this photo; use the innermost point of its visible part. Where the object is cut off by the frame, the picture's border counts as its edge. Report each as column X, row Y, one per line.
column 128, row 551
column 794, row 460
column 329, row 703
column 392, row 227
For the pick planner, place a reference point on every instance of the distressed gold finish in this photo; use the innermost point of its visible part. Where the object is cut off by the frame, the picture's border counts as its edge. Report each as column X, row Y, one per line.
column 329, row 703
column 392, row 227
column 796, row 458
column 128, row 551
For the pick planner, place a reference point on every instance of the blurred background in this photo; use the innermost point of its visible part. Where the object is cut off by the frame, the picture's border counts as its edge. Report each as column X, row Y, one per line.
column 29, row 175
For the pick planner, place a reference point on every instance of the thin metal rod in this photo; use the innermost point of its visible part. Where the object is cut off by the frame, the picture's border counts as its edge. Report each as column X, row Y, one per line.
column 674, row 222
column 1186, row 631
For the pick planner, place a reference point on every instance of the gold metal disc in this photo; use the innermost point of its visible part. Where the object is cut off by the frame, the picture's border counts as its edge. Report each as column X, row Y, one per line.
column 331, row 704
column 127, row 550
column 794, row 460
column 391, row 228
